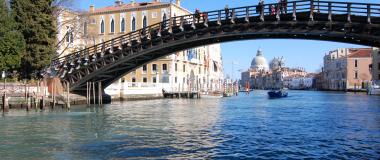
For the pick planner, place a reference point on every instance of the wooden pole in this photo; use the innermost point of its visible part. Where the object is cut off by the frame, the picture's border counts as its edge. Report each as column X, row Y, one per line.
column 53, row 93
column 87, row 95
column 5, row 103
column 101, row 93
column 98, row 93
column 94, row 90
column 68, row 95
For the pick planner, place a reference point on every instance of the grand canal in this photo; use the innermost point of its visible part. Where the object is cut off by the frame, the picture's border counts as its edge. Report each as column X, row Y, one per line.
column 326, row 125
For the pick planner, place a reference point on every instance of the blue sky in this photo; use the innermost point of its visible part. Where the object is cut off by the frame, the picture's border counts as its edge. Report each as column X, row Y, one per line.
column 297, row 53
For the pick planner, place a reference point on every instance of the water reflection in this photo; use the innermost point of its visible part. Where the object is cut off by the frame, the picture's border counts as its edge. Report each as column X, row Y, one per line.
column 305, row 125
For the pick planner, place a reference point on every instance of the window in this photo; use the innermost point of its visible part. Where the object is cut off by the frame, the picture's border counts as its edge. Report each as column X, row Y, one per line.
column 144, row 68
column 164, row 67
column 356, row 74
column 154, row 67
column 175, row 67
column 69, row 35
column 122, row 25
column 145, row 80
column 378, row 66
column 133, row 24
column 175, row 79
column 102, row 27
column 378, row 76
column 356, row 63
column 154, row 15
column 122, row 80
column 133, row 79
column 199, row 70
column 154, row 80
column 184, row 68
column 93, row 21
column 112, row 26
column 145, row 23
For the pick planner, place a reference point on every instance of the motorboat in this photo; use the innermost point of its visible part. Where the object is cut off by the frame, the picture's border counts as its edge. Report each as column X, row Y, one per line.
column 277, row 93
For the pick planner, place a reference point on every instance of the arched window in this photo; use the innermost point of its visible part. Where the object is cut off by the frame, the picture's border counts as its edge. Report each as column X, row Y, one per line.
column 102, row 27
column 145, row 23
column 164, row 21
column 133, row 24
column 122, row 27
column 112, row 26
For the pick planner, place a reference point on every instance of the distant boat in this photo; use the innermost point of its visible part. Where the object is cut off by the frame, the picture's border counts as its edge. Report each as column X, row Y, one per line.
column 277, row 93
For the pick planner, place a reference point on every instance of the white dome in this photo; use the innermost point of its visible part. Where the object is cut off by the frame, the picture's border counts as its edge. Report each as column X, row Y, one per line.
column 259, row 62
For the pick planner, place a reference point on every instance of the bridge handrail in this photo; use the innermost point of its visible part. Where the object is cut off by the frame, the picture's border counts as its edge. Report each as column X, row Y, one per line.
column 215, row 15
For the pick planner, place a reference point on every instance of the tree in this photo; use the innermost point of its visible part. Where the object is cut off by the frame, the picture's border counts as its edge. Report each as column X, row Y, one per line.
column 12, row 44
column 36, row 22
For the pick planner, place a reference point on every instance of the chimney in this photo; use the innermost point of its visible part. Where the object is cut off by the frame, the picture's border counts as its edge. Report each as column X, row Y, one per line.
column 118, row 3
column 92, row 9
column 156, row 0
column 133, row 2
column 178, row 2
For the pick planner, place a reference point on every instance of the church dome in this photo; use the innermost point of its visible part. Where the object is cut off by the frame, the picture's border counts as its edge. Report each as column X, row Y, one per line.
column 259, row 62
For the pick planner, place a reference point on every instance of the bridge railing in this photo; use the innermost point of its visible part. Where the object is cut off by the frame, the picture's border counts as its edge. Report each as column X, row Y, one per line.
column 69, row 63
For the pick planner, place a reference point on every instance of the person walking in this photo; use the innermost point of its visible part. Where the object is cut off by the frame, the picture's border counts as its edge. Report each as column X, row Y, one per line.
column 197, row 14
column 227, row 12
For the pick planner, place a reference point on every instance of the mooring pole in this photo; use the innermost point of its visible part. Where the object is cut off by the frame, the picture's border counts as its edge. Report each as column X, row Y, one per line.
column 5, row 103
column 68, row 95
column 53, row 93
column 101, row 93
column 87, row 93
column 94, row 90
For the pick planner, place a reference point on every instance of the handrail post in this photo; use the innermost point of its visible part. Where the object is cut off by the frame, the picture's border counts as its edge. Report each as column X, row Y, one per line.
column 368, row 13
column 294, row 11
column 349, row 12
column 205, row 19
column 246, row 15
column 193, row 24
column 278, row 11
column 262, row 12
column 330, row 12
column 311, row 10
column 233, row 16
column 181, row 24
column 112, row 45
column 219, row 22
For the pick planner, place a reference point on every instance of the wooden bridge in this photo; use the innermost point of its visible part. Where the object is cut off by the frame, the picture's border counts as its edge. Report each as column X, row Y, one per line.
column 356, row 23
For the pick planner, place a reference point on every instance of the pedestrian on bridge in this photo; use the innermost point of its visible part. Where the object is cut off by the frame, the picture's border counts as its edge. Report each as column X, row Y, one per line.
column 260, row 7
column 227, row 12
column 197, row 14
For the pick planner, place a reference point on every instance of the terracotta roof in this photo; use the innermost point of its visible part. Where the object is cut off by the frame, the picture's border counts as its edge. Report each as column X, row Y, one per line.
column 360, row 53
column 127, row 6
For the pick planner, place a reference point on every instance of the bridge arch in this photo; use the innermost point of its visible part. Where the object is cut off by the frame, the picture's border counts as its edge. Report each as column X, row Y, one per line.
column 356, row 23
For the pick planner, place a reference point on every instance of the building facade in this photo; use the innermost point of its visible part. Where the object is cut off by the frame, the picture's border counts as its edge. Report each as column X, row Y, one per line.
column 347, row 69
column 193, row 69
column 376, row 65
column 275, row 75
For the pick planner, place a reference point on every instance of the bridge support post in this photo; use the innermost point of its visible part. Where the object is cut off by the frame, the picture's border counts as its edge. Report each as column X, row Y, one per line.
column 5, row 106
column 219, row 22
column 87, row 94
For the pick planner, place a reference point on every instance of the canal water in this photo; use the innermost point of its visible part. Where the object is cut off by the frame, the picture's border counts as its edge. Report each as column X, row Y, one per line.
column 326, row 125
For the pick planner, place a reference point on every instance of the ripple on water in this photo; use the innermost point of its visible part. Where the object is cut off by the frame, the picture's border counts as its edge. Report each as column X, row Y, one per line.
column 316, row 125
